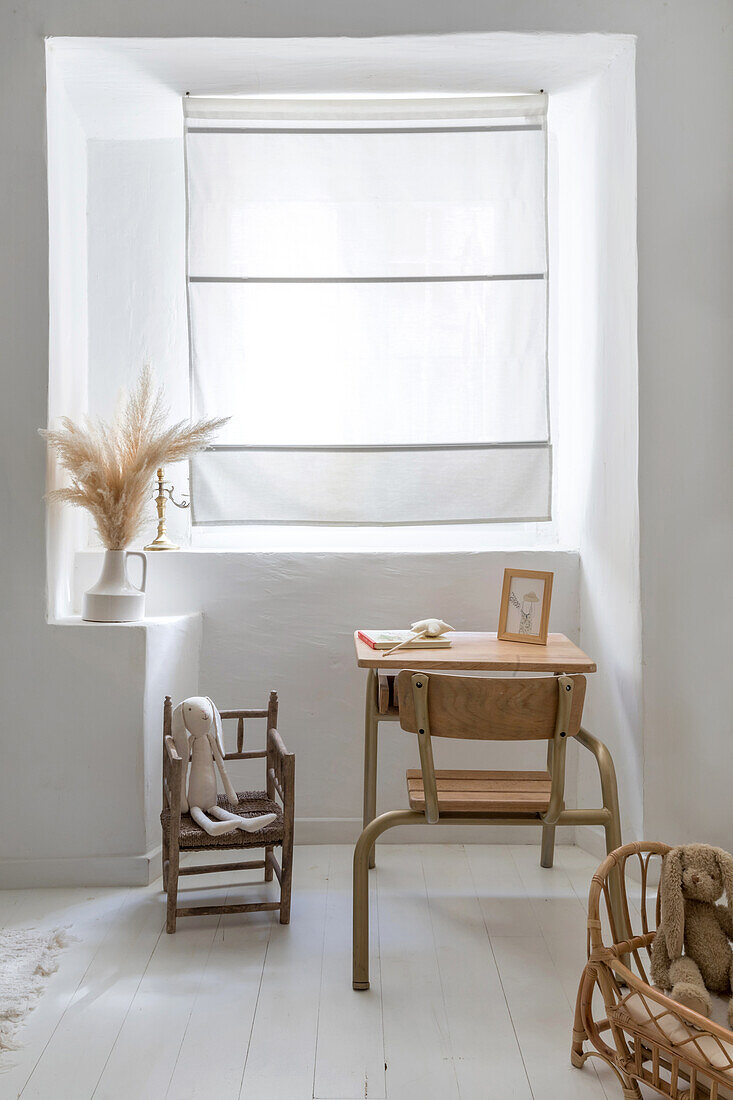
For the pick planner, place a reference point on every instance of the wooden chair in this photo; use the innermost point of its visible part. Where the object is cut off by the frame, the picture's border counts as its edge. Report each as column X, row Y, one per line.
column 547, row 708
column 182, row 834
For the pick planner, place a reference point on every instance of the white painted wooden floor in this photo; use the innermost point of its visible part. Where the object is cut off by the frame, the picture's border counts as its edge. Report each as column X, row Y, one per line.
column 476, row 957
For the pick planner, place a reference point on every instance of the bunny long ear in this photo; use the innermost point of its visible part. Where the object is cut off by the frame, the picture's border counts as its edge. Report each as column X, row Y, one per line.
column 673, row 909
column 725, row 862
column 217, row 727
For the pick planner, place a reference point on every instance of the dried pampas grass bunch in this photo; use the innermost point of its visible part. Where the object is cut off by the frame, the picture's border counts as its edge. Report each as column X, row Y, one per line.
column 112, row 465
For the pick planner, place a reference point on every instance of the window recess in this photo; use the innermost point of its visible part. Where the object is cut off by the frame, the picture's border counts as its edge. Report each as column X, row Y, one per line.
column 367, row 285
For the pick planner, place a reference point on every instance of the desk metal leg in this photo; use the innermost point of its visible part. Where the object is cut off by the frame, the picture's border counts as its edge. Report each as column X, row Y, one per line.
column 371, row 723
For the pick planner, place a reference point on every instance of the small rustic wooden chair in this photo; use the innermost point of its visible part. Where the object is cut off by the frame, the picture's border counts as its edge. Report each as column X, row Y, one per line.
column 182, row 834
column 546, row 708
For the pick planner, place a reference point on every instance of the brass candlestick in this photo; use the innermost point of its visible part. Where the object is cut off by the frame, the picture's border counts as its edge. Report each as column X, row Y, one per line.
column 163, row 495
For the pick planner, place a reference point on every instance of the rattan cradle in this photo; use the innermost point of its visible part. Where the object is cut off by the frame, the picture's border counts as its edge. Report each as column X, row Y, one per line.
column 620, row 1017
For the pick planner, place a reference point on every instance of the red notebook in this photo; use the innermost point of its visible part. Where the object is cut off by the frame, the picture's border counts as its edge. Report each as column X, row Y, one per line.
column 388, row 639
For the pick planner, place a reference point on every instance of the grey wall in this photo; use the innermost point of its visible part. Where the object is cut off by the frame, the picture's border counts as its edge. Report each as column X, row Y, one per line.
column 685, row 138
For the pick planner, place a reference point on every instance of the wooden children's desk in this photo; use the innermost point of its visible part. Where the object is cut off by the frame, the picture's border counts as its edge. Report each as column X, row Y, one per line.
column 469, row 652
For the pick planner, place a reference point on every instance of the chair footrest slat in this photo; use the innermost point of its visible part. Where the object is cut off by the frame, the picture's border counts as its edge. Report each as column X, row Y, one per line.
column 488, row 792
column 208, row 910
column 213, row 868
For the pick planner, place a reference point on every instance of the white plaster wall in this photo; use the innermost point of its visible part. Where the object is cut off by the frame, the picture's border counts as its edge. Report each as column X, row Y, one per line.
column 685, row 101
column 136, row 255
column 686, row 443
column 82, row 777
column 285, row 622
column 136, row 264
column 593, row 166
column 172, row 659
column 135, row 209
column 136, row 233
column 68, row 371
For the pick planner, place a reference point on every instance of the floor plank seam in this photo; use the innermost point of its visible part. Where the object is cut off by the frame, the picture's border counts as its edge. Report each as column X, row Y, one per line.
column 257, row 1001
column 527, row 923
column 448, row 1035
column 551, row 952
column 320, row 977
column 129, row 1007
column 195, row 999
column 381, row 998
column 501, row 982
column 110, row 916
column 256, row 1005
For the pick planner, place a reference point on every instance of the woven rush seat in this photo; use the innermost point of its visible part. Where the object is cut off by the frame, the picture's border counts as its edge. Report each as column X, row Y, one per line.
column 249, row 804
column 485, row 792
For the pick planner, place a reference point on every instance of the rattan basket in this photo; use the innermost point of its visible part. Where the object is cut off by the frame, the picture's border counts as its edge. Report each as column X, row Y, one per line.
column 620, row 1017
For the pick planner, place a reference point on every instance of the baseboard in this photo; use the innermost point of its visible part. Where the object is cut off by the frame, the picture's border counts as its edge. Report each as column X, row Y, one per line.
column 140, row 870
column 592, row 839
column 345, row 830
column 20, row 874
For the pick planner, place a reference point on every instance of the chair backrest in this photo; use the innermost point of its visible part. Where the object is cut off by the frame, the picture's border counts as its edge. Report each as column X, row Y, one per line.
column 544, row 708
column 240, row 715
column 490, row 709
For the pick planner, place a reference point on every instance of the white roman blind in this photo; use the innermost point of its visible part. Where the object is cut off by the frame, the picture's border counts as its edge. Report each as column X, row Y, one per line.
column 367, row 285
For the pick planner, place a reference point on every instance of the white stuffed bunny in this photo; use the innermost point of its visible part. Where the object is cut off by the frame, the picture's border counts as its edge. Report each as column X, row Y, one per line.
column 198, row 719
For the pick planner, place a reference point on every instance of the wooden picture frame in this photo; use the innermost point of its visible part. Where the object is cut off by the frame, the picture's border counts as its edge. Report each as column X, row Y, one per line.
column 519, row 606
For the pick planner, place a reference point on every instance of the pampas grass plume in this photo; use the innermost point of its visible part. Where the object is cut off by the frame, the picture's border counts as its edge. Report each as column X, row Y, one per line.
column 111, row 465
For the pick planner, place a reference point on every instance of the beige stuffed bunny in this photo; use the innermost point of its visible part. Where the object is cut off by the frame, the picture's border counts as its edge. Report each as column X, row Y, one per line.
column 694, row 876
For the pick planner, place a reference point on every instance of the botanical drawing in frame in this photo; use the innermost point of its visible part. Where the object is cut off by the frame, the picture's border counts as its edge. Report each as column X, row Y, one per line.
column 525, row 606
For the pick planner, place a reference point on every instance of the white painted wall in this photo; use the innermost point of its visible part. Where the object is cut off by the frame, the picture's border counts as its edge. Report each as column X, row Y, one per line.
column 285, row 622
column 136, row 267
column 85, row 802
column 593, row 165
column 686, row 443
column 136, row 274
column 686, row 271
column 68, row 371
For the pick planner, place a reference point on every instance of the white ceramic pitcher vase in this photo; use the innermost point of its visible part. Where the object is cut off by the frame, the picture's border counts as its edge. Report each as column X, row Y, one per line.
column 114, row 599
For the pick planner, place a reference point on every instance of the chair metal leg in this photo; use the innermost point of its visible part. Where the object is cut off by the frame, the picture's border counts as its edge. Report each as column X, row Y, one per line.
column 547, row 852
column 364, row 847
column 371, row 724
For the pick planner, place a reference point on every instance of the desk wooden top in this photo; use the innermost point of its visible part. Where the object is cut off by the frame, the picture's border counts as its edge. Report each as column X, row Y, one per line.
column 483, row 652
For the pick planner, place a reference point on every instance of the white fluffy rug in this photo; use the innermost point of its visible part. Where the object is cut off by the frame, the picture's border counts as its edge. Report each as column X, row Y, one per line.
column 27, row 957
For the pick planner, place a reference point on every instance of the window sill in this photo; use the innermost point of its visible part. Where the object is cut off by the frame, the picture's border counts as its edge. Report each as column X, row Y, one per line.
column 458, row 538
column 217, row 581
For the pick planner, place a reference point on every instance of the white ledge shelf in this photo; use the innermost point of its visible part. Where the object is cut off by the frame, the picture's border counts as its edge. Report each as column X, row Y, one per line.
column 148, row 621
